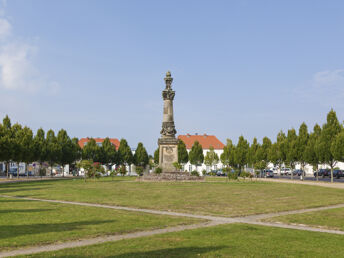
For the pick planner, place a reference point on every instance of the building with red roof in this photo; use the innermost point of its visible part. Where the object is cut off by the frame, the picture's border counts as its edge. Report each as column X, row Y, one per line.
column 206, row 142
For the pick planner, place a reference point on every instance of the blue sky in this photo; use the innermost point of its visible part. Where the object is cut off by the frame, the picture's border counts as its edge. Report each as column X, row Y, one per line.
column 96, row 68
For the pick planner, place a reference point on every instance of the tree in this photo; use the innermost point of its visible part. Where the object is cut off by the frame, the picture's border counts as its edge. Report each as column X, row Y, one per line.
column 251, row 156
column 310, row 150
column 125, row 154
column 140, row 156
column 108, row 153
column 17, row 147
column 66, row 148
column 77, row 152
column 196, row 154
column 27, row 146
column 91, row 151
column 156, row 156
column 262, row 154
column 337, row 147
column 53, row 150
column 211, row 158
column 227, row 156
column 6, row 142
column 241, row 152
column 183, row 156
column 278, row 154
column 40, row 147
column 291, row 147
column 328, row 135
column 301, row 144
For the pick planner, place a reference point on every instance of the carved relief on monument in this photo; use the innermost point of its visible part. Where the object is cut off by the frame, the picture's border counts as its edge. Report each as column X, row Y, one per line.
column 168, row 94
column 168, row 129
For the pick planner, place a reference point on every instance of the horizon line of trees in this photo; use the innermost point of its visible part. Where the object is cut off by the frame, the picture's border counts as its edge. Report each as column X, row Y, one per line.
column 19, row 144
column 323, row 145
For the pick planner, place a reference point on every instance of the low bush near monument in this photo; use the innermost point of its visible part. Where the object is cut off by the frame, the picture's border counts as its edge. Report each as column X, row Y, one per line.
column 158, row 170
column 177, row 166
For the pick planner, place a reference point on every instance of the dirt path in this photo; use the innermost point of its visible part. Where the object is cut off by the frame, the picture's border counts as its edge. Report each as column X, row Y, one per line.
column 212, row 221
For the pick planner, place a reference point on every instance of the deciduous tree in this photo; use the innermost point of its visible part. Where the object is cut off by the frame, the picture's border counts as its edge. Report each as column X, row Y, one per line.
column 328, row 134
column 196, row 154
column 211, row 158
column 241, row 152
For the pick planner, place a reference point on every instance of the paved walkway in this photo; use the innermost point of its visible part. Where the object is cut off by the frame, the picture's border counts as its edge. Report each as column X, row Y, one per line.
column 211, row 221
column 298, row 181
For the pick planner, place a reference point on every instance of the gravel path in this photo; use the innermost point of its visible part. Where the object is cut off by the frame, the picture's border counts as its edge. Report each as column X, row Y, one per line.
column 212, row 221
column 98, row 240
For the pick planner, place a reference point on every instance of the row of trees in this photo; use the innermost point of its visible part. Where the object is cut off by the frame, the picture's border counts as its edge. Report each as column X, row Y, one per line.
column 107, row 153
column 19, row 144
column 324, row 145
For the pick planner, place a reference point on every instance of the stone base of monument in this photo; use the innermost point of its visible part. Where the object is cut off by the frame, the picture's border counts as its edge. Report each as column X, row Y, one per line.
column 170, row 176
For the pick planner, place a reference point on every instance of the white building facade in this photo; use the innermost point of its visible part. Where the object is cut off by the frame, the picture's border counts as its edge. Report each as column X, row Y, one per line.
column 206, row 141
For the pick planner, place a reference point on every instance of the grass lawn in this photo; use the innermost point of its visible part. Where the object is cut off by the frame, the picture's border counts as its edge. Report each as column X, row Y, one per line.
column 233, row 240
column 24, row 223
column 330, row 219
column 216, row 198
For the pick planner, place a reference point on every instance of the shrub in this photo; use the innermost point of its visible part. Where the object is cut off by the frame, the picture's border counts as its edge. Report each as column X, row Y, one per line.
column 177, row 166
column 158, row 170
column 139, row 170
column 194, row 173
column 204, row 172
column 233, row 175
column 123, row 170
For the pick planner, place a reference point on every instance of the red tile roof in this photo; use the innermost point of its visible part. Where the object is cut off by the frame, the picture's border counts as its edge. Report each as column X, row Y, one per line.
column 205, row 140
column 114, row 141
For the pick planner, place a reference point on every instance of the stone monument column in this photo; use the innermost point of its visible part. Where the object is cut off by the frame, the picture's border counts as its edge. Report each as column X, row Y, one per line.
column 168, row 151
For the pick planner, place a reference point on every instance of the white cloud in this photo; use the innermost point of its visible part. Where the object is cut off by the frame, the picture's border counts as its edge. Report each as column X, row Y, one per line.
column 5, row 29
column 17, row 69
column 329, row 78
column 325, row 88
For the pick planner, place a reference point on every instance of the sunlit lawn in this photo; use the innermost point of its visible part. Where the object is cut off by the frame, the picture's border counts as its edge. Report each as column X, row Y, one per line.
column 24, row 223
column 233, row 240
column 217, row 198
column 330, row 219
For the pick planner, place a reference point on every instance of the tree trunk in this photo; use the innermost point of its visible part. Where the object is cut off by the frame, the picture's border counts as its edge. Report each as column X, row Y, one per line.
column 7, row 168
column 17, row 170
column 291, row 172
column 331, row 173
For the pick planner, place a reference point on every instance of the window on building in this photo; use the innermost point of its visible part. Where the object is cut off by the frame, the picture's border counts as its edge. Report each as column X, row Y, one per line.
column 190, row 168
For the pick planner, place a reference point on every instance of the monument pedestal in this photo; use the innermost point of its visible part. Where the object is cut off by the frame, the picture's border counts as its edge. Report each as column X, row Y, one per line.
column 168, row 154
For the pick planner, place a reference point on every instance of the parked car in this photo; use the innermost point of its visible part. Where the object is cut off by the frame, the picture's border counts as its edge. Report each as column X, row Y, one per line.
column 220, row 173
column 337, row 173
column 298, row 172
column 267, row 173
column 323, row 172
column 285, row 171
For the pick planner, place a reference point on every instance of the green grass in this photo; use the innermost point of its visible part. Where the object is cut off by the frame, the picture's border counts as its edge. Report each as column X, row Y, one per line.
column 216, row 198
column 24, row 223
column 233, row 240
column 330, row 219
